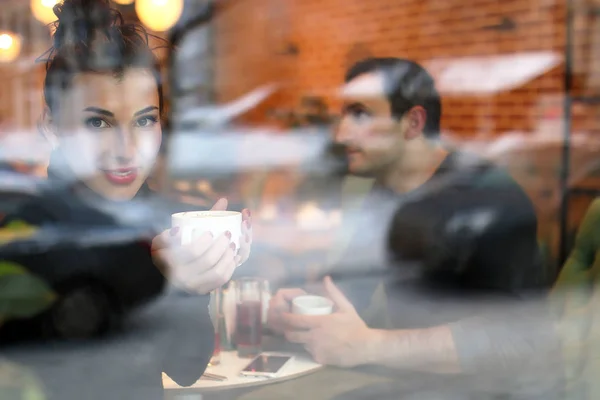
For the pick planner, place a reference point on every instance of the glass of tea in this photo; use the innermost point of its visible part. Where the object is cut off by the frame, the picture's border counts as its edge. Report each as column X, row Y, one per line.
column 248, row 324
column 216, row 315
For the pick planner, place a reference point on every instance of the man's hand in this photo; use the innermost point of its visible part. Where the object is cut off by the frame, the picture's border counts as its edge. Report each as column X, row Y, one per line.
column 279, row 305
column 341, row 339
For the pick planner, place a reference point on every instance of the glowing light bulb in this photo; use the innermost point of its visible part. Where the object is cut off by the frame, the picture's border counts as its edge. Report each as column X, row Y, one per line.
column 124, row 1
column 43, row 10
column 6, row 41
column 10, row 46
column 159, row 15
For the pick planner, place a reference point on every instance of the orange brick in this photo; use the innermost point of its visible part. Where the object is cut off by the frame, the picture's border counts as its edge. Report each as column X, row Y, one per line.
column 326, row 30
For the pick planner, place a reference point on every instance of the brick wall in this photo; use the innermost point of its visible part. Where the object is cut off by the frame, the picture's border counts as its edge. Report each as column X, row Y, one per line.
column 330, row 34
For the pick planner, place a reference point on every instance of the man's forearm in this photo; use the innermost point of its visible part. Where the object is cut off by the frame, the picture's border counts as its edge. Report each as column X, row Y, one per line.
column 430, row 349
column 503, row 340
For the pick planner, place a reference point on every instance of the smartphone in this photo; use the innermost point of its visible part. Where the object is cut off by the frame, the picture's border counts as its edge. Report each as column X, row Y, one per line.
column 267, row 365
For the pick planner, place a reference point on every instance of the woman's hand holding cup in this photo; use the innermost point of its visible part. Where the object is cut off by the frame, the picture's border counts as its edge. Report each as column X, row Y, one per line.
column 204, row 262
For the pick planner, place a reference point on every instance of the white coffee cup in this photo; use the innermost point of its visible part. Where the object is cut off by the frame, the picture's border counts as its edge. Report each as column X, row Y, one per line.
column 312, row 305
column 194, row 224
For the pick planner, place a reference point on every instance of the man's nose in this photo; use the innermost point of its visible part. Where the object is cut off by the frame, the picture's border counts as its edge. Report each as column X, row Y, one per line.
column 342, row 132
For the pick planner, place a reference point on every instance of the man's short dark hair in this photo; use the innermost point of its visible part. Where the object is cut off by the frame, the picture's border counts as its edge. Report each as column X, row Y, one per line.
column 406, row 84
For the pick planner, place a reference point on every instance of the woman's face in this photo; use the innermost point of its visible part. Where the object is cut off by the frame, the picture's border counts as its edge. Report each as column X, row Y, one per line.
column 109, row 130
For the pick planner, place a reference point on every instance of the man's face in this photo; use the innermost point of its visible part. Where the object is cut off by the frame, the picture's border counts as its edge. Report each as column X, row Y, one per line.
column 373, row 139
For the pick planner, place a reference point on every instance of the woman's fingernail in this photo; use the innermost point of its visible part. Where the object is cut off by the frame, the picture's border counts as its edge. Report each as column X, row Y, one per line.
column 174, row 231
column 232, row 245
column 249, row 213
column 228, row 234
column 248, row 223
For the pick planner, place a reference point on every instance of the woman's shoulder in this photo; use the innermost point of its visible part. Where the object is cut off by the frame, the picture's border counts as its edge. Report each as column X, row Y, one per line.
column 33, row 209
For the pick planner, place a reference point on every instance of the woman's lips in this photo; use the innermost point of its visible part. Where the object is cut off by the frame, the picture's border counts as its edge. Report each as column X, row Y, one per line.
column 121, row 176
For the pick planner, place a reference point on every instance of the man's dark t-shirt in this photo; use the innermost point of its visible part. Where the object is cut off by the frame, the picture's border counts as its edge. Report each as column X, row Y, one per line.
column 461, row 251
column 469, row 227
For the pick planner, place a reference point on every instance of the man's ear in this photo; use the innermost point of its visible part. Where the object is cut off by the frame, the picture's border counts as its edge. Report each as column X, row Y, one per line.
column 47, row 128
column 415, row 122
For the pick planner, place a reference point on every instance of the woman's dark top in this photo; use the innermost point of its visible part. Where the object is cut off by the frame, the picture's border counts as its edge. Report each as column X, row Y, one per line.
column 172, row 334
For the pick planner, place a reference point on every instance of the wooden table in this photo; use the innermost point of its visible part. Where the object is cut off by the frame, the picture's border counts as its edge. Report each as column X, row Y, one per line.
column 324, row 383
column 230, row 366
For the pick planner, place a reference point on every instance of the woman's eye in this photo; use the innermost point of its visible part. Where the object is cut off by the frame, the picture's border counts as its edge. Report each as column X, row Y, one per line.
column 96, row 123
column 146, row 122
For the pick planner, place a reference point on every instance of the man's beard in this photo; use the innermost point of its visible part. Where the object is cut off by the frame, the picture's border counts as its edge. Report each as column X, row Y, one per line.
column 335, row 155
column 342, row 166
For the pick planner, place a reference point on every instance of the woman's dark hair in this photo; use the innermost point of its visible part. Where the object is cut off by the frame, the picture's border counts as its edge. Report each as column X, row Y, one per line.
column 91, row 36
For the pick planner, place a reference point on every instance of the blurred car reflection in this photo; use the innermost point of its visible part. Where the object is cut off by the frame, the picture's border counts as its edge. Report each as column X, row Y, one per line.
column 100, row 273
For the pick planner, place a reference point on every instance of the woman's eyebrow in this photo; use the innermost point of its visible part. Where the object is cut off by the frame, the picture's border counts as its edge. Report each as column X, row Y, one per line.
column 145, row 110
column 100, row 111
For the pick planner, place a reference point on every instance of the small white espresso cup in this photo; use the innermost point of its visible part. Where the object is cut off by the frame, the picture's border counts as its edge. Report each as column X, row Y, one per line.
column 312, row 305
column 196, row 223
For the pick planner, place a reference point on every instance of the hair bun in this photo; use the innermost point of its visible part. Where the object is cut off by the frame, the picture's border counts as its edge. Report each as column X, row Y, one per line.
column 78, row 20
column 97, row 11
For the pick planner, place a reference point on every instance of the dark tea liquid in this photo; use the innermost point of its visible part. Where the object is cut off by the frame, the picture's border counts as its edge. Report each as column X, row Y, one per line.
column 217, row 350
column 216, row 356
column 248, row 328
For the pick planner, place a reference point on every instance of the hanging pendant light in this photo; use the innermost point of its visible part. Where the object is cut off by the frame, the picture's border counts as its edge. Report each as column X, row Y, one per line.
column 43, row 10
column 159, row 15
column 10, row 46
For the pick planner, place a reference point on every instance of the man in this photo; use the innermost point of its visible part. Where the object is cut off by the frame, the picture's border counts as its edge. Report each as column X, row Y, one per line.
column 452, row 237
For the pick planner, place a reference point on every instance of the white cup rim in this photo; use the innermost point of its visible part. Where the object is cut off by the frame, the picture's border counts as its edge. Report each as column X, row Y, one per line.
column 195, row 214
column 325, row 303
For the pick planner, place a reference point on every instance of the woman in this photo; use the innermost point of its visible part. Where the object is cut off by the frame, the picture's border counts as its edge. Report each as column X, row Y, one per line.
column 104, row 103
